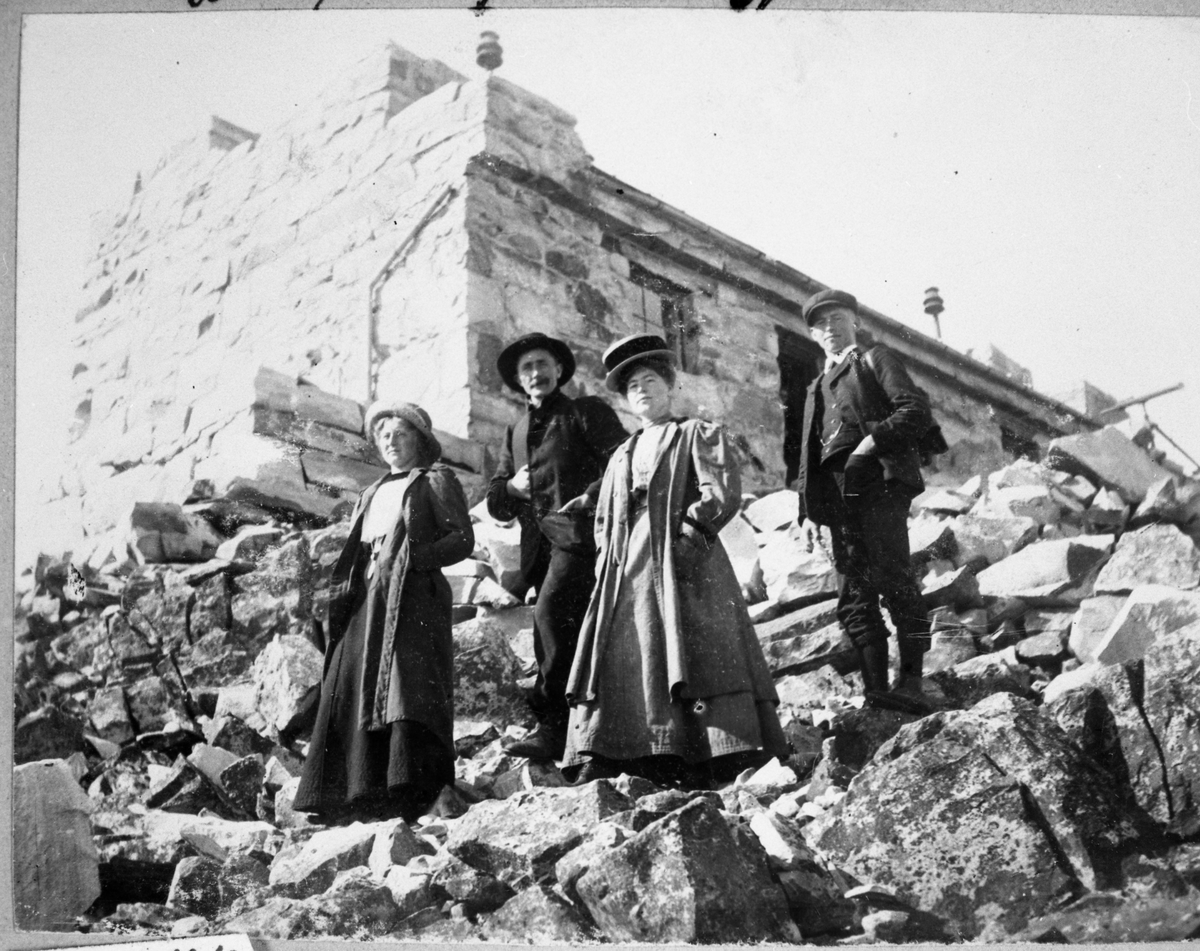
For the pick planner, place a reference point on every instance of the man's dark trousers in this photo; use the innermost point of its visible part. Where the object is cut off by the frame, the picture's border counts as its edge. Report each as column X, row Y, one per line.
column 870, row 549
column 563, row 593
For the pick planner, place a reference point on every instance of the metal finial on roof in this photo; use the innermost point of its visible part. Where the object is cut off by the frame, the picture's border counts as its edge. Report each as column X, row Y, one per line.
column 488, row 53
column 934, row 305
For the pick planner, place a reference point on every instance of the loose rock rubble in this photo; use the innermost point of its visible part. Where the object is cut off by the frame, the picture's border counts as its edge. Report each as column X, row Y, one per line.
column 163, row 707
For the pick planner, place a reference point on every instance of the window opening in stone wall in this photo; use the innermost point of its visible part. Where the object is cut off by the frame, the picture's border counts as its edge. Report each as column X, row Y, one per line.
column 669, row 308
column 800, row 361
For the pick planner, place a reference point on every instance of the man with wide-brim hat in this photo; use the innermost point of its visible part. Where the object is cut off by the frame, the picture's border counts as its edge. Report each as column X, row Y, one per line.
column 859, row 471
column 548, row 478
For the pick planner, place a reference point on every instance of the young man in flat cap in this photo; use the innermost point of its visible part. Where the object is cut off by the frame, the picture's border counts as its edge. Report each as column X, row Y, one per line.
column 859, row 471
column 549, row 478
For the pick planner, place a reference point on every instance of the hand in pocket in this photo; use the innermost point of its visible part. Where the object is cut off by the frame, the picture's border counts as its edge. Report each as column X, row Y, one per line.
column 860, row 472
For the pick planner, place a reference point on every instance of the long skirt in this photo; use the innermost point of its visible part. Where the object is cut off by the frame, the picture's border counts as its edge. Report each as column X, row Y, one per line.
column 634, row 715
column 351, row 773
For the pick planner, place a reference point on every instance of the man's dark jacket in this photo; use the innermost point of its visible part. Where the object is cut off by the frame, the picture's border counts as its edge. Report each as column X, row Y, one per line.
column 567, row 444
column 885, row 403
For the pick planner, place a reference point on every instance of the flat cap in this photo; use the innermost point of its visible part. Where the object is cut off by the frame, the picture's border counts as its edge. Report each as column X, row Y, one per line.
column 827, row 298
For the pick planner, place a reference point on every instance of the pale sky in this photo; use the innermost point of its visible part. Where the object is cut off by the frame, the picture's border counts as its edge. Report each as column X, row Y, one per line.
column 1042, row 171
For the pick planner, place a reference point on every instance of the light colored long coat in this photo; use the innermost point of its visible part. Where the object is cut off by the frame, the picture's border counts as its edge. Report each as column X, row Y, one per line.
column 711, row 646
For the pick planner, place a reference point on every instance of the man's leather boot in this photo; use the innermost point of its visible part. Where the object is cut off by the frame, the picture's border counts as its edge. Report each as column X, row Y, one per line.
column 545, row 742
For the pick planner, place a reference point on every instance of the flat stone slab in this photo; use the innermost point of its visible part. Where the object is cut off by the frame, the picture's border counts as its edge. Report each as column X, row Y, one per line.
column 991, row 539
column 1154, row 554
column 1043, row 574
column 811, row 651
column 1150, row 612
column 774, row 511
column 1109, row 458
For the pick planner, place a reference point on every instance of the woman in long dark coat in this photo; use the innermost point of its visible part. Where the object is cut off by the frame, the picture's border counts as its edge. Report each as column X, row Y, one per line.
column 669, row 679
column 383, row 742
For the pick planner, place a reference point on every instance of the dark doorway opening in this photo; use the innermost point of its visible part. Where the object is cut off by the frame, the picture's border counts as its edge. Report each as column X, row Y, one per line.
column 800, row 362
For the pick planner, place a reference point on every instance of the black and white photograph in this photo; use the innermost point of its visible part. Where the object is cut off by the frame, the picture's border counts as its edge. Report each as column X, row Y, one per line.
column 590, row 475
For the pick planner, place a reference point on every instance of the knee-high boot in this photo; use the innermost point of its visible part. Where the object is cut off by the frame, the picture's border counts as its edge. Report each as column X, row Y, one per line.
column 873, row 663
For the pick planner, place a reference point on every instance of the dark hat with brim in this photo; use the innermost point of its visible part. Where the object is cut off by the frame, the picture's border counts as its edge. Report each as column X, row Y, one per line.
column 412, row 414
column 511, row 355
column 827, row 298
column 630, row 350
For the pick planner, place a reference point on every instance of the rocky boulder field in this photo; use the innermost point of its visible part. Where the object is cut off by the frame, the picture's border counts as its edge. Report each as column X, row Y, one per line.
column 163, row 699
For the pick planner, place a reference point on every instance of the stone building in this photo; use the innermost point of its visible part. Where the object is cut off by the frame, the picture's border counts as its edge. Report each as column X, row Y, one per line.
column 387, row 240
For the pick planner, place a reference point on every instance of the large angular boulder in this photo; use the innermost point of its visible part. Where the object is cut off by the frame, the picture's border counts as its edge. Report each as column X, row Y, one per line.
column 285, row 675
column 395, row 844
column 281, row 918
column 985, row 539
column 476, row 891
column 47, row 733
column 249, row 543
column 930, row 538
column 159, row 532
column 1141, row 721
column 599, row 841
column 1154, row 554
column 354, row 906
column 411, row 889
column 310, row 868
column 829, row 645
column 109, row 715
column 1116, row 920
column 957, row 589
column 684, row 879
column 537, row 915
column 165, row 833
column 812, row 689
column 1150, row 612
column 1048, row 573
column 942, row 500
column 276, row 597
column 741, row 545
column 793, row 575
column 981, row 816
column 814, row 893
column 486, row 671
column 529, row 832
column 969, row 681
column 793, row 623
column 1091, row 623
column 773, row 512
column 183, row 788
column 50, row 825
column 1108, row 458
column 499, row 544
column 196, row 887
column 1041, row 503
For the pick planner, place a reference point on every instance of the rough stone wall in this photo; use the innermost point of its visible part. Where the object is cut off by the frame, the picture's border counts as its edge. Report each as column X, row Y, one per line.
column 537, row 265
column 226, row 261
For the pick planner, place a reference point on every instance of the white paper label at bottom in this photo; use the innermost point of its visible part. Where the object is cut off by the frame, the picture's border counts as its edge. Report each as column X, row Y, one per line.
column 215, row 942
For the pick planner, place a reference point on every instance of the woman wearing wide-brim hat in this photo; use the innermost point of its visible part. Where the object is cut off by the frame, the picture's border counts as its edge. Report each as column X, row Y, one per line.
column 669, row 681
column 383, row 742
